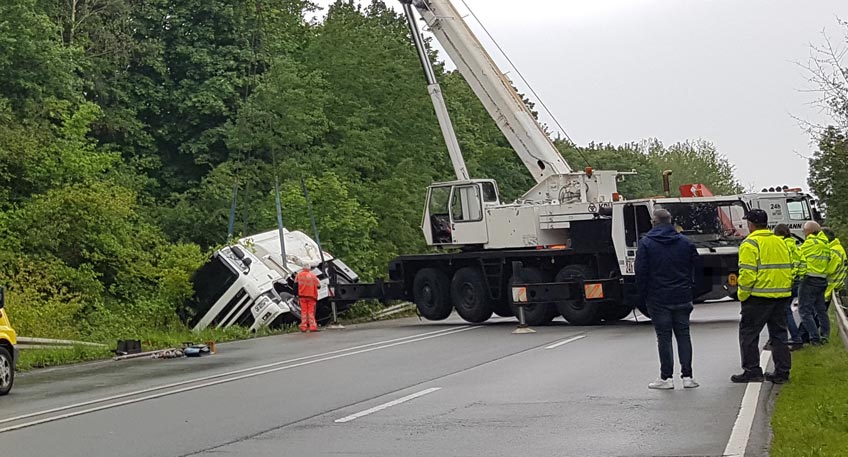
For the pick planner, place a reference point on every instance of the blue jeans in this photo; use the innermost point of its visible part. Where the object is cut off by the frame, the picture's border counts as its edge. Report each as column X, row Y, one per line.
column 668, row 319
column 791, row 325
column 811, row 301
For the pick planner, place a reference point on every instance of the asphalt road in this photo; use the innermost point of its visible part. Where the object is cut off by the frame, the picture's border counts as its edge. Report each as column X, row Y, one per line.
column 394, row 388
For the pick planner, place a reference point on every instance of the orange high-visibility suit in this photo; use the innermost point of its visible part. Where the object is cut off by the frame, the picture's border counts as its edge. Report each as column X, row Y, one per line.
column 307, row 293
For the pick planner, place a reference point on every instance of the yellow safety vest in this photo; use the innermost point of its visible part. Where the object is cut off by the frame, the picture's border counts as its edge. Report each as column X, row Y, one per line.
column 765, row 267
column 836, row 269
column 798, row 267
column 816, row 253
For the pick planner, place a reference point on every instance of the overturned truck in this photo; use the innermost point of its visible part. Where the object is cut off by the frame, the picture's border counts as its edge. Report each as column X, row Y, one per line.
column 249, row 284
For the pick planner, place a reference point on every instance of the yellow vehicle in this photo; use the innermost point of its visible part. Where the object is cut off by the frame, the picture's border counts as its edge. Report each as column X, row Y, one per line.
column 8, row 350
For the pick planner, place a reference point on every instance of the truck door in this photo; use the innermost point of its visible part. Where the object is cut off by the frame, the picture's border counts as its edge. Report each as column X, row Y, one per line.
column 468, row 226
column 637, row 223
column 437, row 224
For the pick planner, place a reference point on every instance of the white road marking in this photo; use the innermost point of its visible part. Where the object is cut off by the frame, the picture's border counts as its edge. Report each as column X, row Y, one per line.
column 738, row 441
column 222, row 381
column 387, row 405
column 556, row 345
column 214, row 376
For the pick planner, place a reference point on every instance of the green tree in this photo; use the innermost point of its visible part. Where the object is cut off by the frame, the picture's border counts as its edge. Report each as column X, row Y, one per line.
column 829, row 177
column 36, row 70
column 828, row 72
column 647, row 181
column 694, row 162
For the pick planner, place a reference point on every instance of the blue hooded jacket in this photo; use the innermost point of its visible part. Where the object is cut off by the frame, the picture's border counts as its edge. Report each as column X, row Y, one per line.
column 667, row 267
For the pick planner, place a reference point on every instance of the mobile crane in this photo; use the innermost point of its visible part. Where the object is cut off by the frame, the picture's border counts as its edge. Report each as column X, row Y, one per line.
column 567, row 246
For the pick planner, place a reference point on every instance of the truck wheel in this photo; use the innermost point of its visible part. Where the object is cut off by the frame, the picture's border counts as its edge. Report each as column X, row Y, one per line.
column 470, row 297
column 540, row 313
column 502, row 307
column 431, row 294
column 615, row 312
column 577, row 311
column 7, row 371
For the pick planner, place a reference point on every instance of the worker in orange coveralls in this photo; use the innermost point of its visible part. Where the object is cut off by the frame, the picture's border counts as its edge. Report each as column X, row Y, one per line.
column 307, row 293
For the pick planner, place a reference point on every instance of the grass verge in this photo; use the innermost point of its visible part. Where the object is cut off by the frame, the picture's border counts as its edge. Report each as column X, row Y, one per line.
column 43, row 358
column 811, row 413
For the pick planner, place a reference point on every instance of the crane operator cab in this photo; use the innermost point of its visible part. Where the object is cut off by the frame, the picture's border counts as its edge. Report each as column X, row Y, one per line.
column 454, row 212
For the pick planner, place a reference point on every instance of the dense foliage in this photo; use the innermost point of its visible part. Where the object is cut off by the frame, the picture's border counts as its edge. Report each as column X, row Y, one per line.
column 828, row 72
column 124, row 125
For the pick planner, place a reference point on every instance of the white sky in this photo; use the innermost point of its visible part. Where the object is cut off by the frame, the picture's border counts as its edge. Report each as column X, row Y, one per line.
column 726, row 71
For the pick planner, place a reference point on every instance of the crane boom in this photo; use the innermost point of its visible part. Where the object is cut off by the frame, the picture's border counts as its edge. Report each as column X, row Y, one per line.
column 435, row 91
column 533, row 146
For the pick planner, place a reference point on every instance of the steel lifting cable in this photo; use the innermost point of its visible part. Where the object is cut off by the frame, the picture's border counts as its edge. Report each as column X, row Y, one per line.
column 258, row 33
column 527, row 83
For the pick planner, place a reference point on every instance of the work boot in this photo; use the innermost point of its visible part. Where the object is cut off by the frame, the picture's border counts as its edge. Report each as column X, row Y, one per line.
column 747, row 376
column 773, row 378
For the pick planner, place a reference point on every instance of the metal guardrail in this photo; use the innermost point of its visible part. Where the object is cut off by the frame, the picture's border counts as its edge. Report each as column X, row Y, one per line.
column 841, row 319
column 50, row 343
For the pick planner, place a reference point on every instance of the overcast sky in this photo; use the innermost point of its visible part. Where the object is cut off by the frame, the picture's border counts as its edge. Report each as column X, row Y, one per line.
column 725, row 71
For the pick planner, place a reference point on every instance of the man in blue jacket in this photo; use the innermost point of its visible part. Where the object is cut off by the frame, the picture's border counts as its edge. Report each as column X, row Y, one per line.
column 667, row 269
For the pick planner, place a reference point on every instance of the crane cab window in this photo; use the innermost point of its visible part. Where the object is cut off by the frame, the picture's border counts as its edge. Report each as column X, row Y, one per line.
column 490, row 194
column 439, row 198
column 799, row 210
column 439, row 209
column 465, row 204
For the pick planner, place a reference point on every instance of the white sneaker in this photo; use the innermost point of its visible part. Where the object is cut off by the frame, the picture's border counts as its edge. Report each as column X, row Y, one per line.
column 689, row 383
column 662, row 384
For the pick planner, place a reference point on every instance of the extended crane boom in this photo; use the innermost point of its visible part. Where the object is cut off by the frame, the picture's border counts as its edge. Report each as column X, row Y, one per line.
column 513, row 117
column 435, row 91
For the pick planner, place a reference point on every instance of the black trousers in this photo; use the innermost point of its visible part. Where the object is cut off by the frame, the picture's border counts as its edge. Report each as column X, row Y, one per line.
column 758, row 312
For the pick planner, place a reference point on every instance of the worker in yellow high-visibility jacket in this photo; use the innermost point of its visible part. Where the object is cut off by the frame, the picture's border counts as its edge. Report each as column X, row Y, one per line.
column 782, row 230
column 816, row 254
column 765, row 287
column 836, row 269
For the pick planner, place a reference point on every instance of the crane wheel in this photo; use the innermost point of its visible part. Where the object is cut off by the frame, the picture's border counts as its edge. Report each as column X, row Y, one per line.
column 615, row 312
column 431, row 294
column 540, row 313
column 502, row 307
column 577, row 311
column 470, row 295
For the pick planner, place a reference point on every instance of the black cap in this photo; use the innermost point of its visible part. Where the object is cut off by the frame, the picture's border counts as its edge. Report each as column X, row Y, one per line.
column 757, row 216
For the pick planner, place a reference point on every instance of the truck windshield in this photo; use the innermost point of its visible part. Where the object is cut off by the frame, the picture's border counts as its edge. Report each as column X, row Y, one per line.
column 709, row 221
column 210, row 282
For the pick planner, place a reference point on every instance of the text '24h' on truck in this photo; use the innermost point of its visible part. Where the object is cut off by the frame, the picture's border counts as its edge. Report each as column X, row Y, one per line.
column 567, row 247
